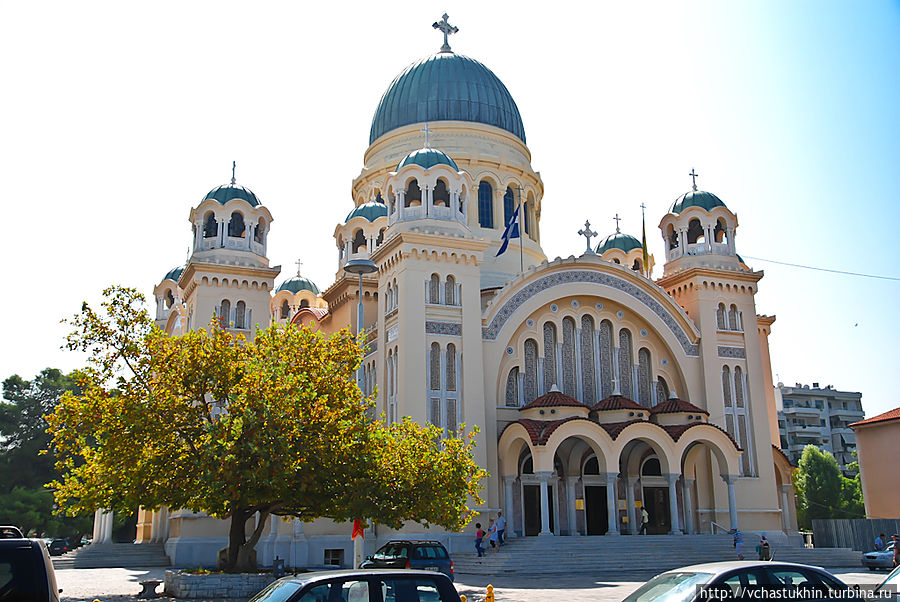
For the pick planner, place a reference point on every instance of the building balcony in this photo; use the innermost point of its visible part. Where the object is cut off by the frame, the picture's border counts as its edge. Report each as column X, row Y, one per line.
column 801, row 411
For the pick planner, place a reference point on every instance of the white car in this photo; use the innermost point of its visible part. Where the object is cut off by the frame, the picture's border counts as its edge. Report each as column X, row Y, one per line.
column 882, row 559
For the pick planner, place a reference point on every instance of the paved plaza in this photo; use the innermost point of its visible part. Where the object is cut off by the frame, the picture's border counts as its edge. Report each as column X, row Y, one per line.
column 117, row 585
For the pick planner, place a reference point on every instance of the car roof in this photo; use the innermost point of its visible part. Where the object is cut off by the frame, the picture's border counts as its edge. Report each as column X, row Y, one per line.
column 415, row 541
column 361, row 573
column 18, row 543
column 721, row 567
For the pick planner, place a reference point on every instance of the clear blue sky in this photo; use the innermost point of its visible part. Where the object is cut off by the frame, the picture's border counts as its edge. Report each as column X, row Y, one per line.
column 116, row 118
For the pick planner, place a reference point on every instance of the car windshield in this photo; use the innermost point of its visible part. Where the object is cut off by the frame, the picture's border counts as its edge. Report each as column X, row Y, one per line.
column 277, row 592
column 669, row 587
column 892, row 579
column 388, row 551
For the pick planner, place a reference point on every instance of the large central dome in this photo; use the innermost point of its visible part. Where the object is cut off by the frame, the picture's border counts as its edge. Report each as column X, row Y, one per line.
column 446, row 87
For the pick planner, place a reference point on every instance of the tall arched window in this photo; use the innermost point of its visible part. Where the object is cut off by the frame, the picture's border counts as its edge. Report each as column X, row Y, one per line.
column 726, row 386
column 240, row 313
column 413, row 194
column 672, row 237
column 210, row 226
column 440, row 194
column 644, row 375
column 451, row 402
column 435, row 367
column 285, row 310
column 531, row 366
column 568, row 357
column 236, row 226
column 451, row 367
column 626, row 386
column 225, row 313
column 359, row 241
column 485, row 204
column 512, row 388
column 738, row 387
column 606, row 364
column 450, row 291
column 304, row 303
column 260, row 231
column 509, row 205
column 434, row 289
column 380, row 238
column 720, row 317
column 695, row 232
column 733, row 318
column 662, row 389
column 550, row 373
column 587, row 359
column 719, row 234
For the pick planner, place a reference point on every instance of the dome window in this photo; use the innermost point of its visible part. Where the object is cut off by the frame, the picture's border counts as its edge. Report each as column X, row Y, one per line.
column 441, row 194
column 636, row 266
column 413, row 194
column 304, row 304
column 380, row 238
column 509, row 205
column 170, row 299
column 285, row 310
column 672, row 237
column 485, row 204
column 695, row 232
column 210, row 227
column 260, row 231
column 359, row 241
column 236, row 228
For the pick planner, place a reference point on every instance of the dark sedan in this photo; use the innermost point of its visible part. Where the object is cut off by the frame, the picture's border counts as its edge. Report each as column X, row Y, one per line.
column 374, row 585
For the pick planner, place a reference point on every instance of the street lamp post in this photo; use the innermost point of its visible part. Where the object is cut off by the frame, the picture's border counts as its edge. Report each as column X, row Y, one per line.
column 359, row 267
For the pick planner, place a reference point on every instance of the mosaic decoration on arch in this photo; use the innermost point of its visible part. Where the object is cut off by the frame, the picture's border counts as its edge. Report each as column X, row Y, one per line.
column 490, row 332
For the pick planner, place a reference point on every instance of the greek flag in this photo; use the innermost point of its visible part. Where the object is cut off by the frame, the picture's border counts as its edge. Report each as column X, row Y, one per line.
column 512, row 231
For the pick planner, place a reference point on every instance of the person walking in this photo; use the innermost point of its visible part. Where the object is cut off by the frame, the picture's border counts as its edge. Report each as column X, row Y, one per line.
column 645, row 521
column 879, row 542
column 492, row 536
column 738, row 542
column 763, row 548
column 501, row 529
column 479, row 537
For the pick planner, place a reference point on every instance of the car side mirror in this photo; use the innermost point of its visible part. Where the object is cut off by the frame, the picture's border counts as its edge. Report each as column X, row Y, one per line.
column 369, row 557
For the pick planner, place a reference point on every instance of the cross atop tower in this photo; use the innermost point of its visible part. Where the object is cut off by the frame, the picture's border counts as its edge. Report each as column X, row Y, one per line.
column 694, row 175
column 618, row 219
column 588, row 234
column 427, row 131
column 299, row 263
column 233, row 167
column 447, row 29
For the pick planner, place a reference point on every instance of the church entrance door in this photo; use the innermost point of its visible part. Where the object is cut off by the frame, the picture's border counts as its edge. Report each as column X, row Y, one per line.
column 656, row 499
column 532, row 502
column 595, row 509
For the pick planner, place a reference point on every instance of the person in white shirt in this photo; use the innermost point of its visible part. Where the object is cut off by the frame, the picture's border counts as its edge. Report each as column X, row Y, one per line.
column 501, row 528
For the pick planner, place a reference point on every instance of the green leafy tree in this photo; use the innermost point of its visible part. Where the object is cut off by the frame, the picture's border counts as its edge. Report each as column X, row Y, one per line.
column 212, row 422
column 822, row 491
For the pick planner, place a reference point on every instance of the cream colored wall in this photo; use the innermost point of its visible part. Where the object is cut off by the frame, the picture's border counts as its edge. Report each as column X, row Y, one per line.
column 876, row 446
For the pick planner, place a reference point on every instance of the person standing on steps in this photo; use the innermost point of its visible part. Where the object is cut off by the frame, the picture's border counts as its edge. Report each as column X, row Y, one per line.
column 479, row 537
column 738, row 542
column 763, row 548
column 492, row 536
column 645, row 521
column 501, row 528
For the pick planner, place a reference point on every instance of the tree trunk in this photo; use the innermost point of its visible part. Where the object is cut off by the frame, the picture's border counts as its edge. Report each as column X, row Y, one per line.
column 241, row 556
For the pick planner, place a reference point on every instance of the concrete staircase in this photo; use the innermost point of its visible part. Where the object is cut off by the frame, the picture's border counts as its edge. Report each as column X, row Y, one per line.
column 638, row 557
column 113, row 555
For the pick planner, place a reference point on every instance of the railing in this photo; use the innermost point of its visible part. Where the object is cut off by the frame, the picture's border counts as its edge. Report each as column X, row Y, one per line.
column 713, row 525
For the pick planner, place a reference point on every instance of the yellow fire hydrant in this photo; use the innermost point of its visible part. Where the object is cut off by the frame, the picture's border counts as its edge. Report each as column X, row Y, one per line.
column 462, row 598
column 489, row 596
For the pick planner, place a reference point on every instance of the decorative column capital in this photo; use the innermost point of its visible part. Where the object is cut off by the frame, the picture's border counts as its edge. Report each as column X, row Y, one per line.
column 672, row 477
column 731, row 479
column 611, row 476
column 786, row 488
column 688, row 482
column 508, row 479
column 632, row 481
column 543, row 475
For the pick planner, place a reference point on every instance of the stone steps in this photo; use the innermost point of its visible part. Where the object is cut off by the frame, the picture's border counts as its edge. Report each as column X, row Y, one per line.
column 114, row 555
column 638, row 557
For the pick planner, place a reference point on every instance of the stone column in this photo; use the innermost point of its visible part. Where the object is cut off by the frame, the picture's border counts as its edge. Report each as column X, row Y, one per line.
column 672, row 479
column 612, row 510
column 629, row 505
column 248, row 232
column 103, row 524
column 688, row 506
column 732, row 501
column 544, row 478
column 571, row 482
column 785, row 507
column 508, row 482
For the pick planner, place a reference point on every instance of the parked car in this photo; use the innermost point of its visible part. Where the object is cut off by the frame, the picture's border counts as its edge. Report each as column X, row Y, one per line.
column 881, row 559
column 375, row 585
column 411, row 554
column 26, row 572
column 58, row 547
column 10, row 532
column 734, row 579
column 893, row 579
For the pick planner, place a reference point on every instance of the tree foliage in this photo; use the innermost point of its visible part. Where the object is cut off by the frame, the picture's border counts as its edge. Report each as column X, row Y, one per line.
column 822, row 491
column 211, row 422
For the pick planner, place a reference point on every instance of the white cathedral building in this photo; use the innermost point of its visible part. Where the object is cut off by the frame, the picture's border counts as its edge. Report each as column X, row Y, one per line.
column 597, row 389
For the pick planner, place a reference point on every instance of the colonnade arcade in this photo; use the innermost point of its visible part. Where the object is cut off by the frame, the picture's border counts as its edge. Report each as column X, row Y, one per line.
column 577, row 476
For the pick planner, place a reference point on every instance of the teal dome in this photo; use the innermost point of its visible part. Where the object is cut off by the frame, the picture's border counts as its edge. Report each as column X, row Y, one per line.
column 371, row 211
column 625, row 242
column 174, row 273
column 227, row 192
column 298, row 283
column 446, row 87
column 696, row 198
column 427, row 158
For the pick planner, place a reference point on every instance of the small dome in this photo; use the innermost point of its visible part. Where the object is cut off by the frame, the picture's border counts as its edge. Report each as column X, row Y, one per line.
column 371, row 211
column 174, row 273
column 673, row 405
column 446, row 87
column 298, row 283
column 553, row 399
column 696, row 198
column 625, row 242
column 427, row 158
column 227, row 192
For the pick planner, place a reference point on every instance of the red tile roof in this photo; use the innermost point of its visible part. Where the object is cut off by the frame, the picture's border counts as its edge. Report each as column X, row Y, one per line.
column 539, row 431
column 615, row 428
column 677, row 430
column 889, row 415
column 553, row 399
column 617, row 402
column 674, row 405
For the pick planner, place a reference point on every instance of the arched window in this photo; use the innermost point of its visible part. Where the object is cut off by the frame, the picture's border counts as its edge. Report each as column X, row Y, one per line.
column 720, row 317
column 550, row 374
column 240, row 313
column 568, row 357
column 591, row 467
column 531, row 366
column 719, row 234
column 587, row 359
column 726, row 386
column 733, row 318
column 738, row 387
column 304, row 303
column 225, row 313
column 260, row 231
column 606, row 365
column 435, row 367
column 441, row 195
column 485, row 204
column 644, row 375
column 695, row 231
column 380, row 238
column 651, row 468
column 434, row 289
column 626, row 386
column 672, row 237
column 450, row 291
column 210, row 227
column 509, row 205
column 662, row 389
column 170, row 299
column 636, row 266
column 451, row 367
column 359, row 241
column 236, row 227
column 388, row 298
column 285, row 310
column 527, row 217
column 413, row 194
column 512, row 388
